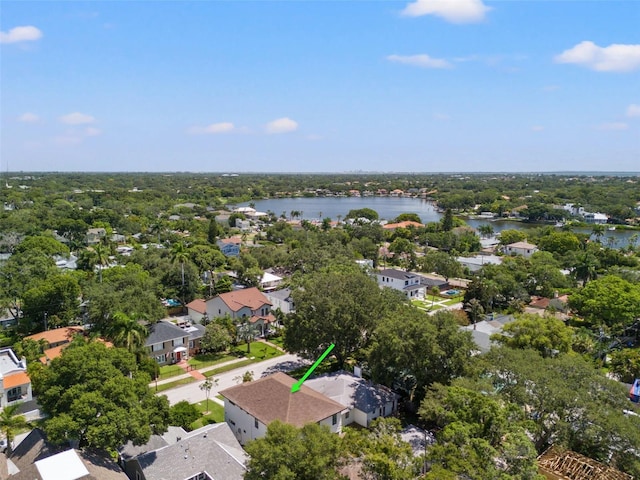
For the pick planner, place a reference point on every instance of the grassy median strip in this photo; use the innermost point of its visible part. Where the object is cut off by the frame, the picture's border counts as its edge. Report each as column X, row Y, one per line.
column 177, row 383
column 227, row 368
column 168, row 371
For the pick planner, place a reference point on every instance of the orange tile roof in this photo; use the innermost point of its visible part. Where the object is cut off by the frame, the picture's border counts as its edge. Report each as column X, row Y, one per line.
column 15, row 380
column 198, row 305
column 55, row 352
column 246, row 297
column 405, row 224
column 57, row 335
column 270, row 399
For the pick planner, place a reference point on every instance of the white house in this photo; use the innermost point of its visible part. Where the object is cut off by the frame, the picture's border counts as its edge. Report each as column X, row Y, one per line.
column 362, row 400
column 250, row 407
column 247, row 303
column 406, row 282
column 476, row 262
column 524, row 249
column 197, row 309
column 281, row 299
column 15, row 384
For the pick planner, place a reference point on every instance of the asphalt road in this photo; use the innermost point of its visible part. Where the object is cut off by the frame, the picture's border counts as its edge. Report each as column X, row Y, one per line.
column 192, row 393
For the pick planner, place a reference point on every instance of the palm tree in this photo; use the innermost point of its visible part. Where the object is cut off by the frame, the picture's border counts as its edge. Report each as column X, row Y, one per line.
column 156, row 228
column 435, row 292
column 586, row 267
column 598, row 231
column 475, row 310
column 179, row 254
column 10, row 423
column 102, row 258
column 247, row 333
column 126, row 331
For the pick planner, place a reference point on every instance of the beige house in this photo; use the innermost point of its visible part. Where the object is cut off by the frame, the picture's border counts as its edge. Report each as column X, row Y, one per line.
column 524, row 249
column 167, row 343
column 250, row 407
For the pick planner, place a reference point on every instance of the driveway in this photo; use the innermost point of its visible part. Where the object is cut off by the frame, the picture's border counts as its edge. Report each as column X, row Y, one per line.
column 192, row 393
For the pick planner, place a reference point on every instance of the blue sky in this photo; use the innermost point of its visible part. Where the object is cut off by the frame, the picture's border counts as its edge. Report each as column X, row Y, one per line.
column 423, row 86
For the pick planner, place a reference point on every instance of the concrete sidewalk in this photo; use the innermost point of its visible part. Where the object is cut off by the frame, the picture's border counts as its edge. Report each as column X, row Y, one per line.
column 197, row 373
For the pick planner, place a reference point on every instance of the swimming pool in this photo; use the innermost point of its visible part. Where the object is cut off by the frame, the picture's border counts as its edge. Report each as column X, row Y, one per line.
column 451, row 293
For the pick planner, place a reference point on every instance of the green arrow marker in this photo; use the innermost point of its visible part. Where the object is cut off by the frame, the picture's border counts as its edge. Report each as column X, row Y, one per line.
column 296, row 386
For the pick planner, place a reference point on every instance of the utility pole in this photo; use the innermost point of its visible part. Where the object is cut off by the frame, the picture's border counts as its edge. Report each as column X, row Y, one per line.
column 45, row 321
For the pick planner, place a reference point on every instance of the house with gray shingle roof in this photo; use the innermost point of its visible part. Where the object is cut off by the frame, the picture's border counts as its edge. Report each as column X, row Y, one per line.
column 481, row 332
column 363, row 400
column 167, row 343
column 208, row 453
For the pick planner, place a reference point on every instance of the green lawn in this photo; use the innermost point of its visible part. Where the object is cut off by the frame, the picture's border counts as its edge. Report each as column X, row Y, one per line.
column 454, row 300
column 200, row 361
column 277, row 341
column 259, row 350
column 425, row 305
column 226, row 368
column 216, row 414
column 168, row 371
column 170, row 385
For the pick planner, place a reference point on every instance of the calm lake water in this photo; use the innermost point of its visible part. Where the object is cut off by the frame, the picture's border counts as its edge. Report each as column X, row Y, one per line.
column 388, row 208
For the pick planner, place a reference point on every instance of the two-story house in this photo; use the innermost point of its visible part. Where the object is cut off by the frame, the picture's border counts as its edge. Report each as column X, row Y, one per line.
column 246, row 304
column 167, row 343
column 15, row 384
column 524, row 249
column 250, row 407
column 230, row 247
column 281, row 299
column 405, row 282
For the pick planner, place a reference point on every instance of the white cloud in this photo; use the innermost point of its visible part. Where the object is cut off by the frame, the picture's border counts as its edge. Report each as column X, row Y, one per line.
column 613, row 126
column 28, row 117
column 614, row 58
column 454, row 11
column 633, row 110
column 537, row 128
column 423, row 60
column 213, row 129
column 77, row 118
column 281, row 125
column 27, row 33
column 92, row 131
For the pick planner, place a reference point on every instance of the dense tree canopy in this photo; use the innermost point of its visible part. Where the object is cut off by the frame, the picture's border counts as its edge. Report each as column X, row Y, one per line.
column 340, row 306
column 609, row 301
column 412, row 350
column 98, row 396
column 289, row 453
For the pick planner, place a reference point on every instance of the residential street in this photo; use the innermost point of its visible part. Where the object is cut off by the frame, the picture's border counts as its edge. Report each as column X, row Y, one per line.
column 192, row 393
